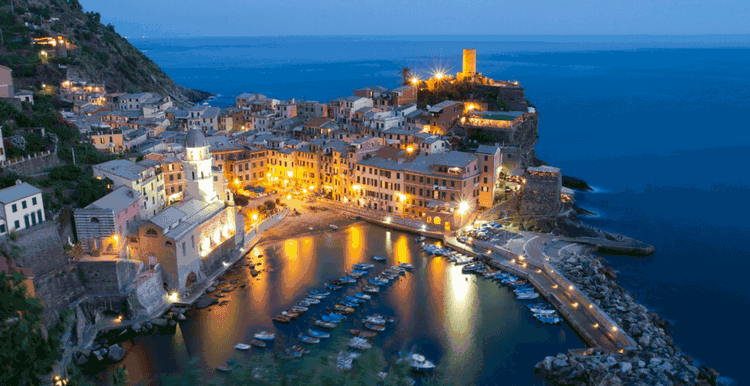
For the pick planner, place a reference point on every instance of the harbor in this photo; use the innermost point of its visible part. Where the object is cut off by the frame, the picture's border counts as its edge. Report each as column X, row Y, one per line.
column 456, row 320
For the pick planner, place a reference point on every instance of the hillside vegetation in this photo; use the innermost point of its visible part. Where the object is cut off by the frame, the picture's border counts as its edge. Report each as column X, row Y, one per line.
column 98, row 53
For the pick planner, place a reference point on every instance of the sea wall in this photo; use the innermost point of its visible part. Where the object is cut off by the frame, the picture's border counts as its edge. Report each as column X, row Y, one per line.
column 514, row 97
column 107, row 276
column 56, row 290
column 146, row 292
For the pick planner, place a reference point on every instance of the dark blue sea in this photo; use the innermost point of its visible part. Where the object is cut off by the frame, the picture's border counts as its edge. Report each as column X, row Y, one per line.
column 657, row 124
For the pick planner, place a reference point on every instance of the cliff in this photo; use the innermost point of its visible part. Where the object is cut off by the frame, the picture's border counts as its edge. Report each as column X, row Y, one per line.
column 88, row 50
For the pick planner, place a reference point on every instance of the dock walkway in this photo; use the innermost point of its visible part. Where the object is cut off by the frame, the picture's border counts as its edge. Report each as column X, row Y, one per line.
column 592, row 323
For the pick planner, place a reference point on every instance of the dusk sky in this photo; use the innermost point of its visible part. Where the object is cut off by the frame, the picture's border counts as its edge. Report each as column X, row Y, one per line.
column 176, row 18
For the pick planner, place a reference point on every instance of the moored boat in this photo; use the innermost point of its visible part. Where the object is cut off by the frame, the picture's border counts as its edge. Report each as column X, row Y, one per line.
column 418, row 362
column 258, row 343
column 225, row 368
column 354, row 299
column 528, row 295
column 333, row 287
column 363, row 333
column 264, row 335
column 242, row 346
column 334, row 227
column 299, row 309
column 378, row 258
column 319, row 292
column 308, row 339
column 359, row 343
column 363, row 296
column 325, row 324
column 371, row 290
column 375, row 327
column 312, row 301
column 343, row 308
column 281, row 319
column 406, row 265
column 318, row 334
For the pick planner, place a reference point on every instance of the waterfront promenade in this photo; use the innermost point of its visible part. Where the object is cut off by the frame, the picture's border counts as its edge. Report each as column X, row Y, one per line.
column 528, row 256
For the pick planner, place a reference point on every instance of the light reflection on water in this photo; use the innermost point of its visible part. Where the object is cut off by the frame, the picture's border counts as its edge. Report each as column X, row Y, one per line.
column 474, row 329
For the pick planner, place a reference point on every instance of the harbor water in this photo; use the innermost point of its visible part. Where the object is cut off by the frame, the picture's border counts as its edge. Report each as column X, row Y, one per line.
column 472, row 328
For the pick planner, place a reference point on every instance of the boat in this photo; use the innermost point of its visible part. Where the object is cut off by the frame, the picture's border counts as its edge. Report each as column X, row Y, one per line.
column 398, row 269
column 318, row 334
column 299, row 309
column 376, row 282
column 540, row 310
column 375, row 327
column 317, row 297
column 225, row 368
column 371, row 290
column 356, row 274
column 334, row 227
column 347, row 279
column 418, row 362
column 258, row 343
column 281, row 319
column 528, row 295
column 291, row 314
column 333, row 287
column 354, row 299
column 264, row 335
column 325, row 324
column 363, row 296
column 343, row 308
column 363, row 333
column 378, row 258
column 242, row 346
column 300, row 350
column 421, row 238
column 540, row 316
column 312, row 301
column 364, row 265
column 549, row 320
column 406, row 265
column 537, row 305
column 379, row 320
column 330, row 319
column 303, row 303
column 349, row 303
column 308, row 339
column 359, row 343
column 320, row 293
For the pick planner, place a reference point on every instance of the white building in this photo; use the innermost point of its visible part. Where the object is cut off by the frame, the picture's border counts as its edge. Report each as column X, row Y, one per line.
column 203, row 118
column 143, row 179
column 21, row 207
column 132, row 102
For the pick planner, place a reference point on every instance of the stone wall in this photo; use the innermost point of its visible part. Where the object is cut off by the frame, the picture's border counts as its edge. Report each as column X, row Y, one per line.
column 514, row 97
column 541, row 195
column 146, row 292
column 32, row 165
column 107, row 276
column 40, row 249
column 523, row 135
column 213, row 261
column 57, row 289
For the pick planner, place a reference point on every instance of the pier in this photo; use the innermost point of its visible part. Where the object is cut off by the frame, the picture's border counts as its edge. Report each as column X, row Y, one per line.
column 590, row 321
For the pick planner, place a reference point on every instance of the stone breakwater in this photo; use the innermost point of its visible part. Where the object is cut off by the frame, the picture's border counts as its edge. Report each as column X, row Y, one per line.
column 656, row 360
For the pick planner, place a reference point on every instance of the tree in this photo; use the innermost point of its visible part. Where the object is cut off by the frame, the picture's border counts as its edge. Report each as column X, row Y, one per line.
column 27, row 352
column 405, row 75
column 270, row 205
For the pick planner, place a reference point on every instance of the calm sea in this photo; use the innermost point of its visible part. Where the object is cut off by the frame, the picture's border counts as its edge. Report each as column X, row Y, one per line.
column 658, row 124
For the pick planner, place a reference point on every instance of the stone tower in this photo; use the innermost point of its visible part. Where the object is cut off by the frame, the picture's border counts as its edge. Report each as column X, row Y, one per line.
column 198, row 161
column 470, row 62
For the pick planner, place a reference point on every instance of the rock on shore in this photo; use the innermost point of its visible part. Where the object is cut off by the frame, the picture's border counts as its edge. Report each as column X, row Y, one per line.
column 656, row 360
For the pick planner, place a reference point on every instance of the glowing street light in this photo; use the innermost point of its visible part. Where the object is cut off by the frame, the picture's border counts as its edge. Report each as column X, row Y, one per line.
column 414, row 80
column 410, row 149
column 439, row 75
column 463, row 208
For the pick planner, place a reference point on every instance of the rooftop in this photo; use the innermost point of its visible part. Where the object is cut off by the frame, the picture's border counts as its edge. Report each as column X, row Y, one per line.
column 118, row 200
column 17, row 192
column 123, row 168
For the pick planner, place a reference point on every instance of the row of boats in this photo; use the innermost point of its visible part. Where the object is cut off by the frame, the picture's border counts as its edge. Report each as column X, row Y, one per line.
column 522, row 289
column 346, row 306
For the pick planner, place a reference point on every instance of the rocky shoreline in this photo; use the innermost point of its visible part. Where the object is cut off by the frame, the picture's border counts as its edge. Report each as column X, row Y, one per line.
column 656, row 360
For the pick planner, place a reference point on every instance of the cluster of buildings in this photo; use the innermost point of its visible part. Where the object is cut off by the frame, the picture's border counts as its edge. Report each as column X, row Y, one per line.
column 375, row 149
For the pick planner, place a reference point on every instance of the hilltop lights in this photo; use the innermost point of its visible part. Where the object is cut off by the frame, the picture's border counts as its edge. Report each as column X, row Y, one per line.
column 414, row 80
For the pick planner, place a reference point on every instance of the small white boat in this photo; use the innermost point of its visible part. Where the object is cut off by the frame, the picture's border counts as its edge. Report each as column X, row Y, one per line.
column 528, row 295
column 264, row 335
column 421, row 238
column 405, row 265
column 242, row 346
column 312, row 301
column 378, row 258
column 419, row 363
column 334, row 227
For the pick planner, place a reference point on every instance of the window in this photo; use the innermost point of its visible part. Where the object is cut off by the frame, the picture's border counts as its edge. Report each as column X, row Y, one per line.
column 33, row 200
column 184, row 250
column 192, row 240
column 168, row 243
column 485, row 168
column 2, row 228
column 171, row 177
column 17, row 224
column 23, row 204
column 151, row 233
column 94, row 220
column 26, row 220
column 216, row 178
column 179, row 188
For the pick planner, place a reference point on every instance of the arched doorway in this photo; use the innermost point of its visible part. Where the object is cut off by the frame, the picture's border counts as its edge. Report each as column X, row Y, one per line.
column 191, row 278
